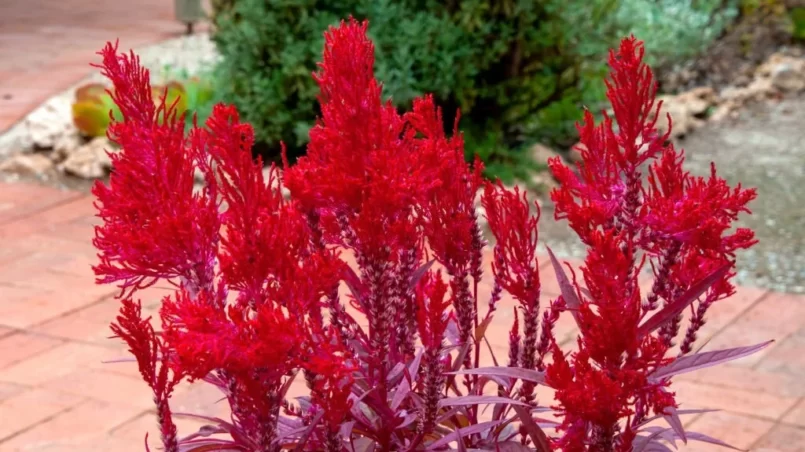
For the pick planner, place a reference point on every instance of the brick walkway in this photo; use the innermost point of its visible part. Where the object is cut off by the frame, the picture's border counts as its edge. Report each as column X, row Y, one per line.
column 56, row 394
column 45, row 44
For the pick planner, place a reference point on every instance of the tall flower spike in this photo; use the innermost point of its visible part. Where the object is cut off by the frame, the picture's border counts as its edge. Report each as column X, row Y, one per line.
column 141, row 239
column 150, row 351
column 515, row 265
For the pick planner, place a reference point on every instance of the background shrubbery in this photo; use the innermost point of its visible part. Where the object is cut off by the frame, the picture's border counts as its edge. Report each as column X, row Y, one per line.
column 517, row 69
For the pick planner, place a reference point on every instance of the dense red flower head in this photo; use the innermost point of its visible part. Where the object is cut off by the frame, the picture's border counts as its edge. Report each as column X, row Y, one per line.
column 515, row 265
column 153, row 225
column 448, row 212
column 205, row 337
column 333, row 366
column 632, row 92
column 677, row 222
column 356, row 132
column 609, row 328
column 607, row 186
column 696, row 211
column 591, row 198
column 589, row 395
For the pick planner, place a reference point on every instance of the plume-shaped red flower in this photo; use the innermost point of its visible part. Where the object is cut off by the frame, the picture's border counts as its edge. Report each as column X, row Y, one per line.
column 154, row 227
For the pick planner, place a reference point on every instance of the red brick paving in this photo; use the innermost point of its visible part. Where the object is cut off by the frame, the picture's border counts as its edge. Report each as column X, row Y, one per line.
column 56, row 394
column 45, row 45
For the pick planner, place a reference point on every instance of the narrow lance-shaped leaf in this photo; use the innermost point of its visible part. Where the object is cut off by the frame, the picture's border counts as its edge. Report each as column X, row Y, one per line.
column 648, row 420
column 672, row 417
column 420, row 272
column 534, row 431
column 461, row 433
column 701, row 437
column 511, row 372
column 477, row 400
column 568, row 292
column 698, row 361
column 303, row 439
column 677, row 306
column 403, row 389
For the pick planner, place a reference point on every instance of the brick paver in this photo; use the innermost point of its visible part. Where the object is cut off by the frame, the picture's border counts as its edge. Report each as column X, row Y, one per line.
column 45, row 45
column 56, row 393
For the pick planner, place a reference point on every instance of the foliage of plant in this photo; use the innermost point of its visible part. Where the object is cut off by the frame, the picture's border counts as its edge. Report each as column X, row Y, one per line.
column 93, row 103
column 366, row 284
column 797, row 16
column 518, row 70
column 511, row 66
column 677, row 29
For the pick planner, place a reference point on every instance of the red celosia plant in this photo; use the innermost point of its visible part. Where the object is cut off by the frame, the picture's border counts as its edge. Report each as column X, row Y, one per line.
column 365, row 286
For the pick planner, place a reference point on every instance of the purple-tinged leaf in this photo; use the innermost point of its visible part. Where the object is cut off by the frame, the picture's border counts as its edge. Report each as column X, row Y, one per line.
column 346, row 428
column 670, row 415
column 300, row 445
column 234, row 431
column 642, row 443
column 413, row 369
column 408, row 420
column 359, row 413
column 511, row 372
column 363, row 444
column 538, row 437
column 210, row 445
column 355, row 285
column 511, row 446
column 293, row 433
column 456, row 435
column 204, row 431
column 461, row 446
column 120, row 360
column 478, row 400
column 698, row 361
column 229, row 427
column 566, row 287
column 447, row 415
column 459, row 361
column 679, row 412
column 672, row 309
column 451, row 332
column 502, row 381
column 420, row 272
column 701, row 437
column 395, row 371
column 491, row 352
column 403, row 389
column 649, row 445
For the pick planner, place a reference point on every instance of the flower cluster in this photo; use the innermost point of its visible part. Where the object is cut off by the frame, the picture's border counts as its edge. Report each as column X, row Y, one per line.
column 673, row 221
column 365, row 285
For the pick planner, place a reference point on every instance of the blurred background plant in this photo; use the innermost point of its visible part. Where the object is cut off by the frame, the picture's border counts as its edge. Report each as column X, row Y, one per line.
column 193, row 96
column 517, row 69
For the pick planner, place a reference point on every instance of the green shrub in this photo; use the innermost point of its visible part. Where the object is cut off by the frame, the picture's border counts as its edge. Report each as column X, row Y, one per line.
column 517, row 69
column 676, row 29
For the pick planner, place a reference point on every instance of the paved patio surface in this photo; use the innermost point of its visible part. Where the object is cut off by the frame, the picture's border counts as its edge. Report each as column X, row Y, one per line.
column 56, row 394
column 45, row 45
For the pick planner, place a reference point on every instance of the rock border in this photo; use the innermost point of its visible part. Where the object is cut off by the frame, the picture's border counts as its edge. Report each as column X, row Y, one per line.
column 46, row 145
